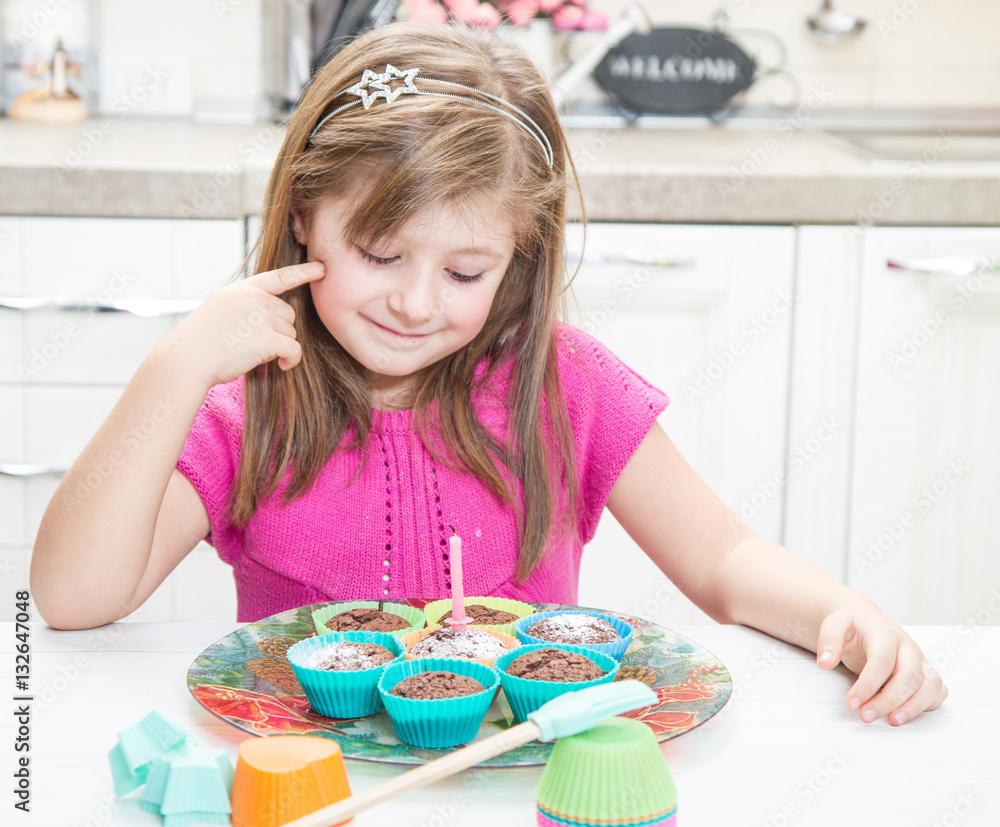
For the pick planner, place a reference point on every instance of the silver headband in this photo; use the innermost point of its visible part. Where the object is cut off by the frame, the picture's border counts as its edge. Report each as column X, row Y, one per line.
column 374, row 85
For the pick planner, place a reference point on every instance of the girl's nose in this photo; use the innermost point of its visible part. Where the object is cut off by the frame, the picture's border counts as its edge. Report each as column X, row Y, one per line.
column 413, row 297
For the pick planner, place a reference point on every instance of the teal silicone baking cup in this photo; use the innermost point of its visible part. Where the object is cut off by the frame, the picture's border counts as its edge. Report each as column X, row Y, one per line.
column 443, row 722
column 415, row 617
column 526, row 695
column 615, row 649
column 341, row 694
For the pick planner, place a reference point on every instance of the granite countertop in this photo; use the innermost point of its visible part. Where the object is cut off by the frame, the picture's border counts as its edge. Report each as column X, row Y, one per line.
column 180, row 169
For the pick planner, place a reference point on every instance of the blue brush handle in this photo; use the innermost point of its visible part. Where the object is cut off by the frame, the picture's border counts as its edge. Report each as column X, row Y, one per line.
column 579, row 711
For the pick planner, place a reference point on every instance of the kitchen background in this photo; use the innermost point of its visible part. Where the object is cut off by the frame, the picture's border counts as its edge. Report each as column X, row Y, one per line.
column 839, row 405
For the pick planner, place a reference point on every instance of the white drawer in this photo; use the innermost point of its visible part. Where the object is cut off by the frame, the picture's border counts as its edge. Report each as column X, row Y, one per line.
column 13, row 578
column 10, row 255
column 10, row 345
column 11, row 424
column 13, row 531
column 83, row 258
column 86, row 348
column 59, row 421
column 207, row 254
column 117, row 258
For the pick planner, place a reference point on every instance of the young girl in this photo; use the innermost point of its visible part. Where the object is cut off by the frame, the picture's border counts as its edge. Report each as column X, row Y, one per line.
column 395, row 371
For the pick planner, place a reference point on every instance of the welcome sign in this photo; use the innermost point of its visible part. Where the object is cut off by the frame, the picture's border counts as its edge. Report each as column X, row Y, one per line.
column 676, row 71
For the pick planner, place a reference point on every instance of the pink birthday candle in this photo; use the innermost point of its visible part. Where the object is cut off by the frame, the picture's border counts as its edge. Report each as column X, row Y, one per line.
column 458, row 619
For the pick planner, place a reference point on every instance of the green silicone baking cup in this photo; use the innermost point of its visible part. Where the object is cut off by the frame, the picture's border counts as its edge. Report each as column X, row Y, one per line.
column 615, row 649
column 613, row 773
column 413, row 616
column 526, row 695
column 337, row 693
column 442, row 722
column 436, row 610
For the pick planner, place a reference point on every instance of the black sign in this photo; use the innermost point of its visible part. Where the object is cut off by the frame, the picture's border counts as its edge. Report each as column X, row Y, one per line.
column 675, row 71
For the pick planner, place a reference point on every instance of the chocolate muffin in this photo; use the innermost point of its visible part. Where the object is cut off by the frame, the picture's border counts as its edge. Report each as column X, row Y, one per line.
column 554, row 665
column 426, row 686
column 574, row 628
column 480, row 615
column 367, row 620
column 348, row 656
column 469, row 643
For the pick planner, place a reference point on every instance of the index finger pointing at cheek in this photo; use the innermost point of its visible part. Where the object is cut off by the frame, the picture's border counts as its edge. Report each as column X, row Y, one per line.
column 279, row 281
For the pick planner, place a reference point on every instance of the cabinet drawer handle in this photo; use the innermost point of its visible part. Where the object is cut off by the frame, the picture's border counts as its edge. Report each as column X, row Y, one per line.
column 30, row 469
column 591, row 257
column 950, row 266
column 136, row 307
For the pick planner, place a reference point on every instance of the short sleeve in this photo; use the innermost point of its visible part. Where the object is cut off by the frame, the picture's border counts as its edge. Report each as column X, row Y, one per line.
column 611, row 409
column 210, row 457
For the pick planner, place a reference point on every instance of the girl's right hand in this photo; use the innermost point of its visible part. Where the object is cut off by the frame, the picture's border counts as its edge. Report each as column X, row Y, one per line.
column 242, row 325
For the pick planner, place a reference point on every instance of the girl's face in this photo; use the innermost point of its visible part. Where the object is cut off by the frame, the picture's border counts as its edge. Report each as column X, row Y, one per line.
column 412, row 299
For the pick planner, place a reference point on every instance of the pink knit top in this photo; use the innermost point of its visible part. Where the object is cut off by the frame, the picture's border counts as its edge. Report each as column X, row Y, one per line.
column 387, row 534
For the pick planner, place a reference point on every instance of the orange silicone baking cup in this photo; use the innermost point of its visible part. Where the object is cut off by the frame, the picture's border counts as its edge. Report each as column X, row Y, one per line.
column 413, row 638
column 284, row 777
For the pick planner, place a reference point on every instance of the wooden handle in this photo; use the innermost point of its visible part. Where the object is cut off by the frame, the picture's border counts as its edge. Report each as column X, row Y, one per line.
column 420, row 777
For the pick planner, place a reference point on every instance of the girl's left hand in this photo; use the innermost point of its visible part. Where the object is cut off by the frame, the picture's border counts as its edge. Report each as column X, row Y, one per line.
column 894, row 677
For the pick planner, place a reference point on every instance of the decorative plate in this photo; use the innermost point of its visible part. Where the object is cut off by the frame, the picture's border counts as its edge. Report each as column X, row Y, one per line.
column 245, row 679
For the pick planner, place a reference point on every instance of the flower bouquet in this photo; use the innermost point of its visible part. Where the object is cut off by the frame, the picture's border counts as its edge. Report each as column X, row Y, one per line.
column 567, row 15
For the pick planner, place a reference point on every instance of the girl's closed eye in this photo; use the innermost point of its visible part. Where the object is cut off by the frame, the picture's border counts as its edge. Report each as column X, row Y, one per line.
column 465, row 278
column 383, row 261
column 374, row 259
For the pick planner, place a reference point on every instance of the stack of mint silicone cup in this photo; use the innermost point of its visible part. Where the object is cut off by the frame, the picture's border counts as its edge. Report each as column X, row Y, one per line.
column 526, row 695
column 415, row 617
column 137, row 747
column 184, row 783
column 192, row 785
column 440, row 722
column 615, row 649
column 612, row 774
column 341, row 693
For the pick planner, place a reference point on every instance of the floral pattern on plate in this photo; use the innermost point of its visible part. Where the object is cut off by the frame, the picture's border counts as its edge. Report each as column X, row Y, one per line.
column 245, row 679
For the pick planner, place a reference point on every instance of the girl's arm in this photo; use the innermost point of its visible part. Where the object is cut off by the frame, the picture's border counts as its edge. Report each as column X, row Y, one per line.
column 122, row 518
column 736, row 577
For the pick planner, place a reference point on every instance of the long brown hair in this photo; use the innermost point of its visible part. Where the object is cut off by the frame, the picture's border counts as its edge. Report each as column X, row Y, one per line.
column 406, row 156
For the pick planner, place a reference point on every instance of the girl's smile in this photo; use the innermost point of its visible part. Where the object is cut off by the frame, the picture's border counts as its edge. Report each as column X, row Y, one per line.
column 419, row 295
column 399, row 336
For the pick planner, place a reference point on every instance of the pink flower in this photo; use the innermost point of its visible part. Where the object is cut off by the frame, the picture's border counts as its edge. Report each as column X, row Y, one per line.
column 549, row 6
column 567, row 17
column 570, row 18
column 426, row 11
column 594, row 21
column 520, row 12
column 461, row 8
column 485, row 16
column 474, row 13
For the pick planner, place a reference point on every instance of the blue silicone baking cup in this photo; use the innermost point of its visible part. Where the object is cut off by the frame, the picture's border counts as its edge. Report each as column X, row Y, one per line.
column 442, row 722
column 342, row 694
column 615, row 649
column 526, row 695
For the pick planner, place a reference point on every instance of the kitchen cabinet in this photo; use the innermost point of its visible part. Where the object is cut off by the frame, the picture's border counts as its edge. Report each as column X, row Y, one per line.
column 705, row 314
column 925, row 447
column 838, row 406
column 65, row 365
column 904, row 361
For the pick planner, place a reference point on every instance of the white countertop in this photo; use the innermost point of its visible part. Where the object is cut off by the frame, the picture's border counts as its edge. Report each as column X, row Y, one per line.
column 149, row 168
column 783, row 751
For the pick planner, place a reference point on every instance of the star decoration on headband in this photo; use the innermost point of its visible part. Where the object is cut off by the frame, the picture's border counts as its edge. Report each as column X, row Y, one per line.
column 374, row 85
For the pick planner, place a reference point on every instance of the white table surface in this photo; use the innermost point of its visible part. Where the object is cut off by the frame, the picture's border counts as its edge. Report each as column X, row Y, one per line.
column 784, row 750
